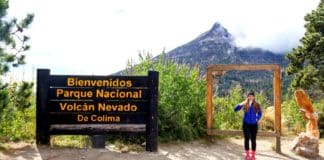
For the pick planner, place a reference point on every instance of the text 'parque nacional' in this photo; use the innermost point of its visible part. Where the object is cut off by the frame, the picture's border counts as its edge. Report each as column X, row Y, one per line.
column 99, row 93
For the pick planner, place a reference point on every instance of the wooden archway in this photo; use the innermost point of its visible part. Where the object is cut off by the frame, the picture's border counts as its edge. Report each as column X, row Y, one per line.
column 220, row 70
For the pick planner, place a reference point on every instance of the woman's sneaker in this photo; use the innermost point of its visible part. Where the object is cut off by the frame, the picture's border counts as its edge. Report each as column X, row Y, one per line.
column 247, row 155
column 253, row 155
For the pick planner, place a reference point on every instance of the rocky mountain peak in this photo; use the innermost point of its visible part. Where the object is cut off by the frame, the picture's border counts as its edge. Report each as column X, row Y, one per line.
column 216, row 46
column 217, row 34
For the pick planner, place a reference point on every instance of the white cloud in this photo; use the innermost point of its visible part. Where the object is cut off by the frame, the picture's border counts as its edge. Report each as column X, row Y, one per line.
column 99, row 36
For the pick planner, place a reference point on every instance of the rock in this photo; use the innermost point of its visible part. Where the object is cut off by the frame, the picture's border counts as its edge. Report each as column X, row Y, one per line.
column 125, row 149
column 306, row 146
column 163, row 152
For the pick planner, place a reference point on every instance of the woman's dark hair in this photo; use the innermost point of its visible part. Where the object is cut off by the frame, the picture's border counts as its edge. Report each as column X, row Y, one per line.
column 256, row 105
column 251, row 93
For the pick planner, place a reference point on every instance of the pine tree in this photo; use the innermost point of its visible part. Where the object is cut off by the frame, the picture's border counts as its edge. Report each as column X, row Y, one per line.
column 13, row 43
column 12, row 39
column 307, row 60
column 15, row 98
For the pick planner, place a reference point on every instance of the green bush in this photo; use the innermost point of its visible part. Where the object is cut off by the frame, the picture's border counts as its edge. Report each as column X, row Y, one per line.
column 225, row 117
column 319, row 108
column 17, row 115
column 181, row 109
column 291, row 117
column 293, row 120
column 70, row 141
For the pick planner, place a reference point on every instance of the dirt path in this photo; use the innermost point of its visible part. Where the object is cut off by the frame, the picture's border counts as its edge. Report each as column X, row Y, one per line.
column 199, row 150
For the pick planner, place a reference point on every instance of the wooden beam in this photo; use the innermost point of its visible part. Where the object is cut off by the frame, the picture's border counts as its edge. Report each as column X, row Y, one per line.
column 97, row 128
column 218, row 73
column 209, row 99
column 277, row 104
column 238, row 133
column 243, row 67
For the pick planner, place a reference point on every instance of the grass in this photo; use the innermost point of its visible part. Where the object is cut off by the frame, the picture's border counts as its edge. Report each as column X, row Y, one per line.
column 126, row 147
column 71, row 141
column 3, row 146
column 82, row 141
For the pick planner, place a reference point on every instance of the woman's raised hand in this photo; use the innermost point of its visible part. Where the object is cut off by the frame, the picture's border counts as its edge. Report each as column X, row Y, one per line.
column 244, row 102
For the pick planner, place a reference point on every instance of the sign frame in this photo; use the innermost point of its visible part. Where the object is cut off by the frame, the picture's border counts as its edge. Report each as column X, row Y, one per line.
column 219, row 70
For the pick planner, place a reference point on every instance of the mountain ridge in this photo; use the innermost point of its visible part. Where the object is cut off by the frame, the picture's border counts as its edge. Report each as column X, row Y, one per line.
column 217, row 46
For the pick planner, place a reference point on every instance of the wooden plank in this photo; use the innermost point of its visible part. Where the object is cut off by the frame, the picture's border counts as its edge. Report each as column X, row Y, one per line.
column 42, row 125
column 243, row 67
column 97, row 94
column 152, row 126
column 277, row 104
column 97, row 129
column 96, row 118
column 209, row 99
column 218, row 73
column 97, row 106
column 239, row 133
column 61, row 80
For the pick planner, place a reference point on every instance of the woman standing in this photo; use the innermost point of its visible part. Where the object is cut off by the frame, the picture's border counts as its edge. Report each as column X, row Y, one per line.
column 252, row 115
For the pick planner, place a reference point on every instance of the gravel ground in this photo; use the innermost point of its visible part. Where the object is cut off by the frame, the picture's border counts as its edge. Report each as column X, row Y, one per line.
column 230, row 148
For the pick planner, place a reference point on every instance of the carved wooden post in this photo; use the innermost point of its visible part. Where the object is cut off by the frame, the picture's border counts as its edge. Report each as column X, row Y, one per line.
column 277, row 103
column 209, row 100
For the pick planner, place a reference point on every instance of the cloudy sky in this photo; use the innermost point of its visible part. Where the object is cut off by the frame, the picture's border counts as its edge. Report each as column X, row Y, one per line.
column 99, row 36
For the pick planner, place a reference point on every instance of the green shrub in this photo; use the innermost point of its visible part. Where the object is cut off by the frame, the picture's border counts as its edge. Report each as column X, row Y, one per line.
column 319, row 108
column 70, row 141
column 226, row 118
column 292, row 119
column 17, row 116
column 224, row 115
column 181, row 109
